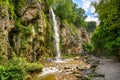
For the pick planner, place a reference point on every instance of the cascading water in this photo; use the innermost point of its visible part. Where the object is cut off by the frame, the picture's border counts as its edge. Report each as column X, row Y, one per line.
column 58, row 54
column 57, row 39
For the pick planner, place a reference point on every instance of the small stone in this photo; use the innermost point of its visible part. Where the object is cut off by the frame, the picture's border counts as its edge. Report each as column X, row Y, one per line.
column 76, row 58
column 66, row 67
column 28, row 77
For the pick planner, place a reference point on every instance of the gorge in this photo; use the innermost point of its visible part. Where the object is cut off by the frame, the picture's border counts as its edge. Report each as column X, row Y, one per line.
column 29, row 36
column 53, row 40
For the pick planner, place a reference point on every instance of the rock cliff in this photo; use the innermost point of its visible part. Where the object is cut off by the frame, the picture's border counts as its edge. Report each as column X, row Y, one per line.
column 26, row 30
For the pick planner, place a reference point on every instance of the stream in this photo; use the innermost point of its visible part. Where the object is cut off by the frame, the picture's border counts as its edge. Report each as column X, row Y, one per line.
column 80, row 68
column 70, row 69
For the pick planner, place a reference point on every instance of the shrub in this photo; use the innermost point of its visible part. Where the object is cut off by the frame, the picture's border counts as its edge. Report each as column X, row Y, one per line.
column 87, row 47
column 17, row 69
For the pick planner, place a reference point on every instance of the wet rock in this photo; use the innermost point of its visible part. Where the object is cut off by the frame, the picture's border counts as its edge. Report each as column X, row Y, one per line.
column 66, row 67
column 77, row 58
column 49, row 59
column 98, row 75
column 90, row 72
column 70, row 69
column 87, row 72
column 28, row 77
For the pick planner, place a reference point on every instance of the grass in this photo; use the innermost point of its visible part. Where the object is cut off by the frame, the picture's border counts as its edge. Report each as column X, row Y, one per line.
column 70, row 55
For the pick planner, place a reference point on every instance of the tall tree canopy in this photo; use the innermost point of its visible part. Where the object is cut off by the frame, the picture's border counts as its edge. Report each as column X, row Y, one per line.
column 107, row 35
column 68, row 11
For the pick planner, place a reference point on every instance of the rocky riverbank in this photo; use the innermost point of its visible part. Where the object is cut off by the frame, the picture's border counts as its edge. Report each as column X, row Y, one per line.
column 77, row 68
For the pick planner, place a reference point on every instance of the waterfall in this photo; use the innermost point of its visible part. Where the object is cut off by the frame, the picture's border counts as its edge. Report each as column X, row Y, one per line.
column 56, row 35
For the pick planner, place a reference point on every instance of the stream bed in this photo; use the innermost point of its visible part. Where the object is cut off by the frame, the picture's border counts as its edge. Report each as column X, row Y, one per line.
column 70, row 69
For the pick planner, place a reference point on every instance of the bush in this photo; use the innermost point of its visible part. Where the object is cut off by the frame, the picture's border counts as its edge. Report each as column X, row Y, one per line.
column 31, row 67
column 17, row 69
column 87, row 47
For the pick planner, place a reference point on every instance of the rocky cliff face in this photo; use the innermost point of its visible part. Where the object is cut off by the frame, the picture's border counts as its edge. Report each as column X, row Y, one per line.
column 34, row 21
column 6, row 24
column 26, row 30
column 70, row 39
column 85, row 35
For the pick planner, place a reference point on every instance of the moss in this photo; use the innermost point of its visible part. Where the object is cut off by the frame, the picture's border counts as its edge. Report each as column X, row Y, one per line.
column 36, row 26
column 3, row 12
column 72, row 27
column 23, row 42
column 10, row 8
column 44, row 18
column 26, row 30
column 47, row 47
column 46, row 44
column 40, row 1
column 49, row 40
column 20, row 4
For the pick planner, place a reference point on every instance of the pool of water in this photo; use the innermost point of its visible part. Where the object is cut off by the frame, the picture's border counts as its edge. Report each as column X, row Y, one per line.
column 48, row 73
column 47, row 77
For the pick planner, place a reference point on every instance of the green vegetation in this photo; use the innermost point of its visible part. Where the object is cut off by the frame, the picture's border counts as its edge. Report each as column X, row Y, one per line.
column 70, row 55
column 91, row 26
column 10, row 7
column 30, row 36
column 26, row 30
column 17, row 69
column 50, row 2
column 49, row 40
column 88, row 47
column 89, row 77
column 20, row 4
column 73, row 28
column 67, row 10
column 106, row 36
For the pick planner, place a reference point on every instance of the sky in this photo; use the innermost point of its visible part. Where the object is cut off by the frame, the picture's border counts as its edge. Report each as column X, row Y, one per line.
column 89, row 9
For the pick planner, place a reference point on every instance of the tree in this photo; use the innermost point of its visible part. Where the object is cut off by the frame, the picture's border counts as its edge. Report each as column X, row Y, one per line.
column 50, row 2
column 80, row 17
column 106, row 36
column 69, row 11
column 91, row 25
column 64, row 9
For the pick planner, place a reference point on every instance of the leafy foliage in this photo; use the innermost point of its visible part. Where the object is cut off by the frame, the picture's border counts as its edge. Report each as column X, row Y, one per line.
column 26, row 30
column 50, row 2
column 69, row 11
column 107, row 34
column 87, row 47
column 17, row 69
column 91, row 26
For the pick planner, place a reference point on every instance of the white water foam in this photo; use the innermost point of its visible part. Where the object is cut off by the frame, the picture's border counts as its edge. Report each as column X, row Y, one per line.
column 50, row 70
